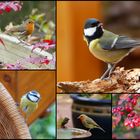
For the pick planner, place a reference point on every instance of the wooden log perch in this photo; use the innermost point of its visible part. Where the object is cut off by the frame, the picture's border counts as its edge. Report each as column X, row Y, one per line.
column 121, row 81
column 12, row 124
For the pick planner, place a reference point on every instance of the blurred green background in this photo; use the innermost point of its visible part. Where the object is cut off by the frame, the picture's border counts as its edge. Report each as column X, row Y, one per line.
column 47, row 7
column 44, row 128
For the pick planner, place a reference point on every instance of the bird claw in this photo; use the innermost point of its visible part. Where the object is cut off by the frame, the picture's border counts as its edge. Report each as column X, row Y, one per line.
column 108, row 79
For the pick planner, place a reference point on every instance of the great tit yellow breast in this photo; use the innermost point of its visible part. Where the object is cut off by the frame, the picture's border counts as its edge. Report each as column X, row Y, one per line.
column 108, row 56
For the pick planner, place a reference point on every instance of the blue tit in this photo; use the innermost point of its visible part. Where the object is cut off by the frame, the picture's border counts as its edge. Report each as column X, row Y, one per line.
column 29, row 102
column 107, row 46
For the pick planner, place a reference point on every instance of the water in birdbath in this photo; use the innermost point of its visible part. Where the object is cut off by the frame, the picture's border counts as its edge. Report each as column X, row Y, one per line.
column 72, row 133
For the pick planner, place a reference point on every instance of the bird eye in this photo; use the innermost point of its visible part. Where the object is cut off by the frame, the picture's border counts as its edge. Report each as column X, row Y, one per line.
column 92, row 25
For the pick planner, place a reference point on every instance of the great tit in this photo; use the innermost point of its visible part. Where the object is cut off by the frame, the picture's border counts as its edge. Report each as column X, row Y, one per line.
column 89, row 122
column 29, row 102
column 107, row 46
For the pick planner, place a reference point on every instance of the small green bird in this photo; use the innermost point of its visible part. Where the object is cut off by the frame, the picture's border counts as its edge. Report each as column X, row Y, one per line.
column 89, row 123
column 61, row 123
column 29, row 102
column 107, row 46
column 64, row 122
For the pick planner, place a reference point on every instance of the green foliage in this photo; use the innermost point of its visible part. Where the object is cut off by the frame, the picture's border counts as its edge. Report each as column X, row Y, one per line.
column 43, row 24
column 44, row 128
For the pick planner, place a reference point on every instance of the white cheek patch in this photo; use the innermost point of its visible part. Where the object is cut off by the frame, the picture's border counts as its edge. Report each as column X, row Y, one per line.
column 90, row 31
column 33, row 94
column 33, row 98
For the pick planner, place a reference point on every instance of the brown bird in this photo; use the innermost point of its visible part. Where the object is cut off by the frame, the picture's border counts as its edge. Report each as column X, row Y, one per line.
column 24, row 29
column 89, row 123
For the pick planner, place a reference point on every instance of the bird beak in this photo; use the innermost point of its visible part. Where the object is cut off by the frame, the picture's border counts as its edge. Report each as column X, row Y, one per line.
column 101, row 24
column 78, row 117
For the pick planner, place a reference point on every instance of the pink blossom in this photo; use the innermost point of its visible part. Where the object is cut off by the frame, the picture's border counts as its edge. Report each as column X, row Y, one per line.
column 9, row 5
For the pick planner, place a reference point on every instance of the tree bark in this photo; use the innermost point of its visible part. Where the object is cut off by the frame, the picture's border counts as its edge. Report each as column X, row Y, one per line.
column 121, row 81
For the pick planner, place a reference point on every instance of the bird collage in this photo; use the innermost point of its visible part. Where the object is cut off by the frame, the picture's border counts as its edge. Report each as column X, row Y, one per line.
column 70, row 70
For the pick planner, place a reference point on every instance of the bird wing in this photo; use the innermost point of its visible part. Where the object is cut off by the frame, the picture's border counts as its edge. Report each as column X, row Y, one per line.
column 65, row 121
column 111, row 41
column 25, row 108
column 124, row 42
column 108, row 40
column 91, row 122
column 23, row 102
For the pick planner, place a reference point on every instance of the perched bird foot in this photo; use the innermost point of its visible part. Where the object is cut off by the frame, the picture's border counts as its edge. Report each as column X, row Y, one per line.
column 107, row 79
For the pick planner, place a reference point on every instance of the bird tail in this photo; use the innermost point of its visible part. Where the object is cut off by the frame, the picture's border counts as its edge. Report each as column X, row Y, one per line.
column 101, row 129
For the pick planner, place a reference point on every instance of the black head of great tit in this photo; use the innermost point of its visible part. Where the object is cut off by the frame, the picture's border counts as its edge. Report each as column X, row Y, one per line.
column 107, row 46
column 93, row 29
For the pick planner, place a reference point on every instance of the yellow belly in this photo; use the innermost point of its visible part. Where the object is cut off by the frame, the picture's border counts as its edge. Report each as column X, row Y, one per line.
column 31, row 107
column 108, row 56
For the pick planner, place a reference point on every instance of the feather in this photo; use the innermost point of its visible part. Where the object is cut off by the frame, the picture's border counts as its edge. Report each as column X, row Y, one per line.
column 111, row 41
column 124, row 42
column 101, row 129
column 25, row 108
column 107, row 40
